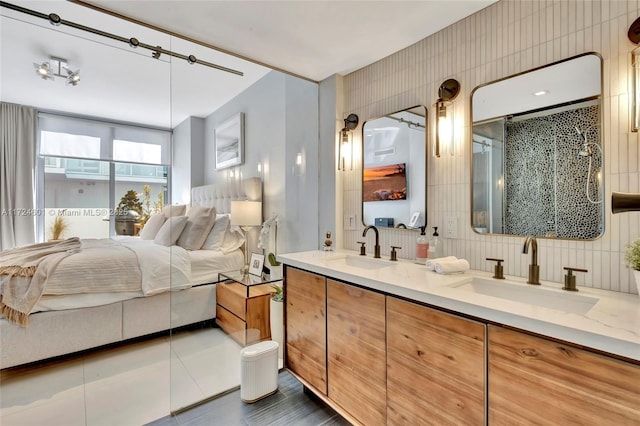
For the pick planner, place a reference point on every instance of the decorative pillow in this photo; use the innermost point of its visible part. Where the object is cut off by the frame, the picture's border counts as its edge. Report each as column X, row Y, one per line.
column 199, row 224
column 216, row 236
column 170, row 231
column 233, row 240
column 153, row 225
column 174, row 210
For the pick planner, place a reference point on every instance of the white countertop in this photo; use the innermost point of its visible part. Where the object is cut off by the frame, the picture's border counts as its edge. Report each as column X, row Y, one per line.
column 612, row 325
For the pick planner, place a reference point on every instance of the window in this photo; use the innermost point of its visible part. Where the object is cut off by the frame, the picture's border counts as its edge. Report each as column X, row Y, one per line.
column 87, row 166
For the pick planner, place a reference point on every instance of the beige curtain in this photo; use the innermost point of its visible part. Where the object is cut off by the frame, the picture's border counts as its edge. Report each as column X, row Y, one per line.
column 17, row 175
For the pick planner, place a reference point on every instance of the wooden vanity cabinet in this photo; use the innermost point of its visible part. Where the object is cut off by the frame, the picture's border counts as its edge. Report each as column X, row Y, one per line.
column 538, row 381
column 356, row 351
column 435, row 367
column 306, row 326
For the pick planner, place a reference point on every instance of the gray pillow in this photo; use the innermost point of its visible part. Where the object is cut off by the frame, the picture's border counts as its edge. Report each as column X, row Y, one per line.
column 170, row 231
column 199, row 224
column 151, row 228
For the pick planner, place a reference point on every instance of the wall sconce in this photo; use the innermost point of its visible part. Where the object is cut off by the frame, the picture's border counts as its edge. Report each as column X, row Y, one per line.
column 444, row 117
column 298, row 168
column 345, row 144
column 634, row 36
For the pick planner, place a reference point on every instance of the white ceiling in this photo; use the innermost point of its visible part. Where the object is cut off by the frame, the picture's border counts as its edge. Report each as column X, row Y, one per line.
column 313, row 39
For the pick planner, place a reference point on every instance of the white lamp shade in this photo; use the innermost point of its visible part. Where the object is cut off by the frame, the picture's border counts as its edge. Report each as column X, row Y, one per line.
column 246, row 213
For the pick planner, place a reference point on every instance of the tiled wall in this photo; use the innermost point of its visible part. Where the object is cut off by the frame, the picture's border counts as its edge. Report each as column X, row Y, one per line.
column 506, row 38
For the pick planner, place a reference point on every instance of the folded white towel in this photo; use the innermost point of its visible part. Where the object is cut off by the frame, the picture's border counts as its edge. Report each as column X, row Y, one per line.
column 431, row 263
column 451, row 266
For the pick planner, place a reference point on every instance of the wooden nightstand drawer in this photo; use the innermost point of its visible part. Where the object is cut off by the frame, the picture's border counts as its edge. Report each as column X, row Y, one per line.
column 232, row 296
column 231, row 324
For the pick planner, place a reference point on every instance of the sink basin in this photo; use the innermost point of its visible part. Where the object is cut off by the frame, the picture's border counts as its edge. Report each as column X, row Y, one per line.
column 533, row 295
column 361, row 262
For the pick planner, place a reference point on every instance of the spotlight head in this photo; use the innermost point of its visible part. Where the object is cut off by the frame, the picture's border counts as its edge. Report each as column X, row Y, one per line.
column 73, row 78
column 134, row 42
column 44, row 70
column 192, row 59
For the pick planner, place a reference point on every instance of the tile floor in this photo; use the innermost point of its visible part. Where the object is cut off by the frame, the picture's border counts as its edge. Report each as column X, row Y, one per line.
column 130, row 384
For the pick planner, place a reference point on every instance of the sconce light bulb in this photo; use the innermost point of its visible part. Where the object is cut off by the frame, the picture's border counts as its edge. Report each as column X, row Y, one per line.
column 299, row 159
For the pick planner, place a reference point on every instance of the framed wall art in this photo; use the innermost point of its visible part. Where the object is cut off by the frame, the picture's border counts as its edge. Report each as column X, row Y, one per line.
column 229, row 142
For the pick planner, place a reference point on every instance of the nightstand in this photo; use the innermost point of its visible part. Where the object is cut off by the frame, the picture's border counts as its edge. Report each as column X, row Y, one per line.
column 242, row 306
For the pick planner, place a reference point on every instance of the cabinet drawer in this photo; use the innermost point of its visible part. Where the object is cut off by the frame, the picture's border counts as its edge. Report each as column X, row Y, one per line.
column 231, row 324
column 232, row 296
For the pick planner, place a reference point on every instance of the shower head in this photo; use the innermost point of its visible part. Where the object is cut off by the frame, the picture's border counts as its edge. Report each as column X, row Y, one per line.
column 586, row 150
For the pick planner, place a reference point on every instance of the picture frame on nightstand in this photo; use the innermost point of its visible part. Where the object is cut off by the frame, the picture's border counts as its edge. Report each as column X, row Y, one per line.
column 256, row 263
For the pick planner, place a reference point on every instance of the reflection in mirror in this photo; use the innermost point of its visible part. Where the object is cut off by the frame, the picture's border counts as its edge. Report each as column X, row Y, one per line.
column 537, row 155
column 394, row 173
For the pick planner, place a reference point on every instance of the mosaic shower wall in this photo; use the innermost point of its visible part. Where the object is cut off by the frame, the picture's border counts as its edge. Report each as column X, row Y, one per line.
column 548, row 165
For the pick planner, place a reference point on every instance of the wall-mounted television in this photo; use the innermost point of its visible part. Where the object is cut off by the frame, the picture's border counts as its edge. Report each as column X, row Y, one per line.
column 385, row 183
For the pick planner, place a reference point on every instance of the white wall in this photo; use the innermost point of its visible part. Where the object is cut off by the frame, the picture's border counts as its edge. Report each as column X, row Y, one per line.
column 281, row 119
column 187, row 168
column 506, row 38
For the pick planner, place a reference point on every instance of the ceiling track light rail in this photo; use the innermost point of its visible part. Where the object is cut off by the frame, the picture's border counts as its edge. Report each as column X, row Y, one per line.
column 56, row 20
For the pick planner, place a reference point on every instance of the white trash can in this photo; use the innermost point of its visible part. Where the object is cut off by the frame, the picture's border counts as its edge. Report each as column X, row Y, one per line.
column 258, row 371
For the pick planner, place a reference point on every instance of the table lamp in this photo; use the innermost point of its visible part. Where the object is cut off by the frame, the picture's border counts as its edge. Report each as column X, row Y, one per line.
column 246, row 214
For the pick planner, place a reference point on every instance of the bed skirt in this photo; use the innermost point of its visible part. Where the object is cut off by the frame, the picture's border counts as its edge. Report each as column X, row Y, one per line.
column 55, row 333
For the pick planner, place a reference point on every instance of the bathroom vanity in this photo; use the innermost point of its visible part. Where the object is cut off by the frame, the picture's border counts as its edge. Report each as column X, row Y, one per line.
column 392, row 343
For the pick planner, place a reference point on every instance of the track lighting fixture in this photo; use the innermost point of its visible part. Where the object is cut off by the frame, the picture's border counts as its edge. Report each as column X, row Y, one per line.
column 57, row 67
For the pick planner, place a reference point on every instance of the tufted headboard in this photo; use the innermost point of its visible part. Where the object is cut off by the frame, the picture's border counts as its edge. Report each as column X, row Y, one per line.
column 220, row 195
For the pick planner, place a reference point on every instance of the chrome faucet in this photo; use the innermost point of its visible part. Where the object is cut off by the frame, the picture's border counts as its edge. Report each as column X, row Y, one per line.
column 376, row 249
column 534, row 269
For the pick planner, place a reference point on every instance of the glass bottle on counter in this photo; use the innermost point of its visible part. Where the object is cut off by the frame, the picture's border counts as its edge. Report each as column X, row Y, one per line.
column 422, row 247
column 434, row 245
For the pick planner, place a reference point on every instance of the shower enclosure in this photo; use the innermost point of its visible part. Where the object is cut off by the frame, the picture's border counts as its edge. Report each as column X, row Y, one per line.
column 539, row 174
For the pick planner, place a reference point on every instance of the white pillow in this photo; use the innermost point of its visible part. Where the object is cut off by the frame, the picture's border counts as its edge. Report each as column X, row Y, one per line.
column 199, row 224
column 170, row 231
column 153, row 225
column 216, row 236
column 174, row 210
column 233, row 240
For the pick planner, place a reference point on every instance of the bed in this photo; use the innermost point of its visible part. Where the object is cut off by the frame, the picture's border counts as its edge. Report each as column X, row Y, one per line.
column 67, row 323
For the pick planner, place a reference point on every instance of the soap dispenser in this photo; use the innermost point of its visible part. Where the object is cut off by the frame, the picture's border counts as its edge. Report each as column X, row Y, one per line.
column 434, row 245
column 422, row 247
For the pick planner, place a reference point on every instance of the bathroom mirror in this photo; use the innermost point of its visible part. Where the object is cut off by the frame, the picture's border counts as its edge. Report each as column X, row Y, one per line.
column 537, row 157
column 394, row 172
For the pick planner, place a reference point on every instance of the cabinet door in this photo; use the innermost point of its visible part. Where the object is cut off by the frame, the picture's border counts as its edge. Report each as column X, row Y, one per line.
column 306, row 326
column 538, row 381
column 435, row 367
column 357, row 351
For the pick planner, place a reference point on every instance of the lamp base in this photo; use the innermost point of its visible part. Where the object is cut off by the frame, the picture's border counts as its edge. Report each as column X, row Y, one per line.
column 245, row 232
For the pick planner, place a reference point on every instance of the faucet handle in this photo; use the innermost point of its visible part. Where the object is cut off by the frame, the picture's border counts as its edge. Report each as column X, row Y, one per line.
column 570, row 279
column 498, row 270
column 394, row 255
column 363, row 251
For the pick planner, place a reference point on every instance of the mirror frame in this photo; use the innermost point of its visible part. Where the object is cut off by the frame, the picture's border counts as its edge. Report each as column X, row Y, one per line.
column 599, row 98
column 426, row 158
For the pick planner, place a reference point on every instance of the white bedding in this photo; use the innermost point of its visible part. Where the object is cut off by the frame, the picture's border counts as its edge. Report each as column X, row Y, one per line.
column 203, row 266
column 206, row 264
